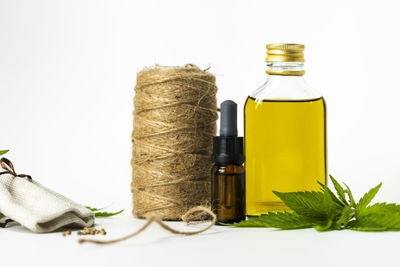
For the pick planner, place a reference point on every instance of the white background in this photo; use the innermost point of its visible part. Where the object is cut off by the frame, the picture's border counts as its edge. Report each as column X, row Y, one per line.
column 67, row 72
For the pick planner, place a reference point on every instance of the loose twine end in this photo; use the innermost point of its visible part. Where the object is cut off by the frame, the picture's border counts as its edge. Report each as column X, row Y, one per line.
column 192, row 214
column 190, row 65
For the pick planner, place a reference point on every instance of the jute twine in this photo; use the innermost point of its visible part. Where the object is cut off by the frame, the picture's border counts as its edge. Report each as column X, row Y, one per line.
column 175, row 113
column 174, row 122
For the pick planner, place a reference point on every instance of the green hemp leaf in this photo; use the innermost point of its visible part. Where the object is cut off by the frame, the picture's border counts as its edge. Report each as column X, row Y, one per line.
column 326, row 211
column 98, row 213
column 2, row 152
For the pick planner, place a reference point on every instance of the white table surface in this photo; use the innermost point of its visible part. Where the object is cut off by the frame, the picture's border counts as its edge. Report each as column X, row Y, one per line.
column 220, row 246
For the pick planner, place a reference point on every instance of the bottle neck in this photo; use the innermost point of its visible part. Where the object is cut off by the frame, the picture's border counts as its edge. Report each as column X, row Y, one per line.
column 285, row 68
column 285, row 80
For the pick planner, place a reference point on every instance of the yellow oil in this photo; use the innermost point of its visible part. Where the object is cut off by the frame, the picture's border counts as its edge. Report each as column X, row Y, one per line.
column 285, row 148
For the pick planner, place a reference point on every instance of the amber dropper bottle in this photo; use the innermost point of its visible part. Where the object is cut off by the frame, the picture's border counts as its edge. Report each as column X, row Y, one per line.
column 227, row 174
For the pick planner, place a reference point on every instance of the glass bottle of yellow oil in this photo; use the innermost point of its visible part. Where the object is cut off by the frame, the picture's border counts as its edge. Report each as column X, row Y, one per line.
column 284, row 131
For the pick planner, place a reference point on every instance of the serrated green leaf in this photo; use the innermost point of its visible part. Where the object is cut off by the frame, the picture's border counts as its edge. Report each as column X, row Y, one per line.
column 326, row 189
column 317, row 206
column 367, row 198
column 251, row 222
column 94, row 209
column 378, row 222
column 378, row 217
column 306, row 203
column 282, row 220
column 339, row 190
column 2, row 152
column 351, row 198
column 371, row 229
column 103, row 214
column 381, row 207
column 333, row 213
column 107, row 214
column 332, row 208
column 345, row 218
column 286, row 220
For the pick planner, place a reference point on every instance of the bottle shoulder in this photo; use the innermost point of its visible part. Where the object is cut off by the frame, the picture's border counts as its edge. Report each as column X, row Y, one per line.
column 279, row 87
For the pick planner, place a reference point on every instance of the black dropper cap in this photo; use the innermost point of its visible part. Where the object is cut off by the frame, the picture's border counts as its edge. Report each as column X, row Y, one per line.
column 228, row 147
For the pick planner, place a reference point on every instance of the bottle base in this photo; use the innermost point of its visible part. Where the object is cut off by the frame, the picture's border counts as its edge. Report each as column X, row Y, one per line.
column 258, row 208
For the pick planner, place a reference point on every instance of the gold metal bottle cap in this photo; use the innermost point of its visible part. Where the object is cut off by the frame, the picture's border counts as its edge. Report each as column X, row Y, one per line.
column 285, row 53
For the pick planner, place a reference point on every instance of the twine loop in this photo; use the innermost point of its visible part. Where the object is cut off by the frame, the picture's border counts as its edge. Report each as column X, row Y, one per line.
column 7, row 165
column 193, row 214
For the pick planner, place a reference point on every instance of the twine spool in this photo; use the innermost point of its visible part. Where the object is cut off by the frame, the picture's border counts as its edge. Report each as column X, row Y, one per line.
column 175, row 113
